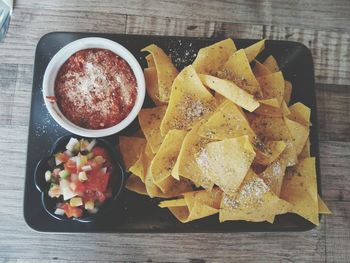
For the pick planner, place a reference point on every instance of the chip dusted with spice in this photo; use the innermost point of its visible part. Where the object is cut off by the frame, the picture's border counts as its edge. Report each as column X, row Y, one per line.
column 150, row 119
column 166, row 71
column 272, row 87
column 254, row 202
column 306, row 150
column 275, row 129
column 228, row 121
column 300, row 189
column 189, row 102
column 271, row 64
column 186, row 164
column 195, row 205
column 164, row 160
column 254, row 50
column 299, row 133
column 269, row 152
column 131, row 149
column 260, row 69
column 230, row 91
column 272, row 111
column 211, row 59
column 300, row 113
column 227, row 162
column 238, row 70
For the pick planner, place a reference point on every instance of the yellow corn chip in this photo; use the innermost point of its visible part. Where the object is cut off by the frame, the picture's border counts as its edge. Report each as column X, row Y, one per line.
column 274, row 174
column 152, row 85
column 186, row 164
column 260, row 70
column 135, row 184
column 139, row 168
column 212, row 58
column 164, row 160
column 300, row 189
column 272, row 86
column 273, row 111
column 322, row 207
column 230, row 91
column 271, row 64
column 254, row 50
column 150, row 119
column 189, row 102
column 270, row 152
column 300, row 113
column 227, row 162
column 131, row 149
column 299, row 133
column 166, row 71
column 228, row 121
column 172, row 203
column 150, row 61
column 306, row 150
column 253, row 202
column 238, row 70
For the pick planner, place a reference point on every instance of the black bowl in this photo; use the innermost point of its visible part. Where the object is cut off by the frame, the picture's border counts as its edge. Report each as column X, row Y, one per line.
column 116, row 181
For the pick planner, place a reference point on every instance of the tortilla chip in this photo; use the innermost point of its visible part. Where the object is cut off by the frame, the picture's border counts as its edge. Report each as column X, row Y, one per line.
column 273, row 111
column 272, row 86
column 150, row 61
column 300, row 189
column 228, row 121
column 238, row 70
column 254, row 50
column 219, row 98
column 299, row 133
column 306, row 150
column 272, row 150
column 275, row 129
column 198, row 204
column 287, row 91
column 212, row 58
column 273, row 102
column 150, row 119
column 230, row 91
column 152, row 85
column 139, row 168
column 253, row 202
column 135, row 184
column 186, row 164
column 322, row 207
column 271, row 64
column 300, row 113
column 131, row 149
column 227, row 162
column 164, row 160
column 166, row 71
column 189, row 102
column 274, row 174
column 260, row 70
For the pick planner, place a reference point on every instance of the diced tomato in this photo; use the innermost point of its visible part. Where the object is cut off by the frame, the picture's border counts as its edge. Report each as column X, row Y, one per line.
column 62, row 157
column 72, row 211
column 79, row 188
column 70, row 166
column 99, row 151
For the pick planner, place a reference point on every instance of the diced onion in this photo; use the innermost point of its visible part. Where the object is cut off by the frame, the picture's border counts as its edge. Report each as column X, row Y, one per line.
column 91, row 145
column 70, row 145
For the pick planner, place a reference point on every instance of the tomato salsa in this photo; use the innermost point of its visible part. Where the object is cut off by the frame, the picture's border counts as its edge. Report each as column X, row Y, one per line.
column 95, row 88
column 79, row 179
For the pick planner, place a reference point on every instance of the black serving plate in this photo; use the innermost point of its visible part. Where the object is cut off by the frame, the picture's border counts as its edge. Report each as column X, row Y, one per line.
column 133, row 212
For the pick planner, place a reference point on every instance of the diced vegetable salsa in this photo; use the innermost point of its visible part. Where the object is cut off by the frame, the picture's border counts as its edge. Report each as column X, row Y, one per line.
column 79, row 178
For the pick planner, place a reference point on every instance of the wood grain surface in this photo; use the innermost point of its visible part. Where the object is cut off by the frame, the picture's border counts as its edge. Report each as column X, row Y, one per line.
column 323, row 26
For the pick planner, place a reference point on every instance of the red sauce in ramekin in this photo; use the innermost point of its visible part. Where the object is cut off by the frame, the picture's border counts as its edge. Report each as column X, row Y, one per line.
column 95, row 89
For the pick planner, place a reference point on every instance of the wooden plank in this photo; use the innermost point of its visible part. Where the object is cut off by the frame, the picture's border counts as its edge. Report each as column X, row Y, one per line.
column 335, row 168
column 8, row 75
column 338, row 233
column 330, row 50
column 313, row 13
column 333, row 112
column 29, row 24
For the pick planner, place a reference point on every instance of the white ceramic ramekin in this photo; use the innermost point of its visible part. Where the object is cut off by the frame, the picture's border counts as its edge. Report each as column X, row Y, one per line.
column 62, row 56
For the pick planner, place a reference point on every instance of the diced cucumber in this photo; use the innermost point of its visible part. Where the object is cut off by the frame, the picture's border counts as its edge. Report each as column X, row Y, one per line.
column 89, row 205
column 64, row 174
column 59, row 212
column 82, row 176
column 76, row 147
column 48, row 176
column 76, row 201
column 72, row 144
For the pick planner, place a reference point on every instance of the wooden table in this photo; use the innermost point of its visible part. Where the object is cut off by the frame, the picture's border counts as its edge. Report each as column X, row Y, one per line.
column 323, row 26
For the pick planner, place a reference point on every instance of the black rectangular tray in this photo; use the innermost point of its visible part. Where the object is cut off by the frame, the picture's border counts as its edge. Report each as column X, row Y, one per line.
column 133, row 212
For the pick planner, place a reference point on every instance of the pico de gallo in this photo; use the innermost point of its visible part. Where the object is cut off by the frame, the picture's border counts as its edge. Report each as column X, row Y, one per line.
column 79, row 178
